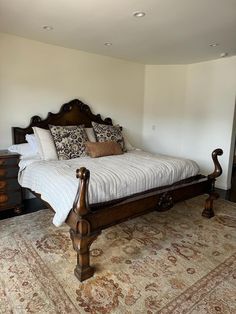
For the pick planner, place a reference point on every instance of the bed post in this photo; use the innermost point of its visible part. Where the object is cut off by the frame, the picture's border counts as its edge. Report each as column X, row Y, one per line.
column 208, row 211
column 80, row 231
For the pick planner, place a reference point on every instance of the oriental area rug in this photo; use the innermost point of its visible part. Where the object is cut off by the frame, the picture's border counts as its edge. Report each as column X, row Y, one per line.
column 167, row 263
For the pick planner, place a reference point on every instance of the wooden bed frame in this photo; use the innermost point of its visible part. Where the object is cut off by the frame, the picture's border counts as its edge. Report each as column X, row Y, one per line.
column 86, row 222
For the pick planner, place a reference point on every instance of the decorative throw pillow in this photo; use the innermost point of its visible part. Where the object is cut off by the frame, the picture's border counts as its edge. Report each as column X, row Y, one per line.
column 106, row 133
column 103, row 149
column 69, row 141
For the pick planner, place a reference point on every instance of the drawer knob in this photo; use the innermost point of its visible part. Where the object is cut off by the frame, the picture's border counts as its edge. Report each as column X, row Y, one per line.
column 2, row 162
column 3, row 184
column 3, row 198
column 2, row 172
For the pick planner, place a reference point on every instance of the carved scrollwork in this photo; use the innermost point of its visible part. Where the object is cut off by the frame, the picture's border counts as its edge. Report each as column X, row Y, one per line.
column 108, row 121
column 72, row 113
column 36, row 119
column 85, row 108
column 165, row 202
column 218, row 170
column 67, row 107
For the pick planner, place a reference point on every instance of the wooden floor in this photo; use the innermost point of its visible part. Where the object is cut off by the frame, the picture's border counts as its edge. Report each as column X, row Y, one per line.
column 30, row 206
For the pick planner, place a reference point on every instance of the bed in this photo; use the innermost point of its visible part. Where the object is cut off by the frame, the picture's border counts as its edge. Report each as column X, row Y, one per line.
column 89, row 213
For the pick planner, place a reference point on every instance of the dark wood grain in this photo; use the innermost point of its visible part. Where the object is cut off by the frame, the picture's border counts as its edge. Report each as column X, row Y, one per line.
column 74, row 112
column 10, row 190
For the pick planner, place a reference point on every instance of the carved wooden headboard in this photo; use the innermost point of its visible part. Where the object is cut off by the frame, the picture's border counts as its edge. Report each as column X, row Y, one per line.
column 74, row 112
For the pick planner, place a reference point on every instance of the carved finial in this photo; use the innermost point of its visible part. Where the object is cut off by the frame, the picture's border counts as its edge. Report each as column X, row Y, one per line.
column 82, row 173
column 218, row 170
column 217, row 152
column 81, row 204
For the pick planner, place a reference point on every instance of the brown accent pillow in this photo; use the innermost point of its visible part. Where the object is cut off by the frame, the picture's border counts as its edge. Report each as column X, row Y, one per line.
column 103, row 149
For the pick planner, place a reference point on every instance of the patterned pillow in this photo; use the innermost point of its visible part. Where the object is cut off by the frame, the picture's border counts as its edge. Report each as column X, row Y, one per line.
column 106, row 133
column 69, row 141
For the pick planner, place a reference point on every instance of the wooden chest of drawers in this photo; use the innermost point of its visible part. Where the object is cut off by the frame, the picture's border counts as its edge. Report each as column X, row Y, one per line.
column 10, row 190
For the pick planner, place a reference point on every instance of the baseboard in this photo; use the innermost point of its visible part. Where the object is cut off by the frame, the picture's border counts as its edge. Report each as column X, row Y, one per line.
column 225, row 194
column 222, row 186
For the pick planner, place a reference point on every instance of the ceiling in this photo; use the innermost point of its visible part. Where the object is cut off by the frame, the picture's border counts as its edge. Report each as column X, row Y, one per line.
column 172, row 32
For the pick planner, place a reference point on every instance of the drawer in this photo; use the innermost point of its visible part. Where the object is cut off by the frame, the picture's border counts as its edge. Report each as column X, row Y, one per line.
column 9, row 185
column 8, row 161
column 10, row 172
column 10, row 199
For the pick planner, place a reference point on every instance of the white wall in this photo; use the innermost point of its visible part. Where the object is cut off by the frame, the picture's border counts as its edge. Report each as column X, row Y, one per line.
column 192, row 107
column 209, row 114
column 164, row 108
column 36, row 78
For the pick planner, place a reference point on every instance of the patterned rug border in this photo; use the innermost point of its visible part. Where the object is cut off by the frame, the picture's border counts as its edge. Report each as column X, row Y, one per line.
column 201, row 288
column 45, row 277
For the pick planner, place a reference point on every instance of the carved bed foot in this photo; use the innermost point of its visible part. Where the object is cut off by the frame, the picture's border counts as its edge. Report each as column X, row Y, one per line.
column 81, row 245
column 208, row 211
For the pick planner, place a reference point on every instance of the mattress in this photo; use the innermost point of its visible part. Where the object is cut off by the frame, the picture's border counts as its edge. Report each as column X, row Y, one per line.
column 111, row 177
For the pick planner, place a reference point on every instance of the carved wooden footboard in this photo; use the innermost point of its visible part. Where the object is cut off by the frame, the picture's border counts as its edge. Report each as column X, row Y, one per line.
column 86, row 223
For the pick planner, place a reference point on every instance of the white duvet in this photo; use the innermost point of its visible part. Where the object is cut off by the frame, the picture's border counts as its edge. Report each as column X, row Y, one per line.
column 111, row 177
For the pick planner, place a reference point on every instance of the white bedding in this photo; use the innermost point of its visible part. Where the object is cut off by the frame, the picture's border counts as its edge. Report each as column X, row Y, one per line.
column 111, row 177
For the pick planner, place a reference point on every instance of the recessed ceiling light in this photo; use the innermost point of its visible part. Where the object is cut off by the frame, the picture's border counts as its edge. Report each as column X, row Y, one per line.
column 139, row 14
column 213, row 44
column 224, row 54
column 108, row 44
column 48, row 27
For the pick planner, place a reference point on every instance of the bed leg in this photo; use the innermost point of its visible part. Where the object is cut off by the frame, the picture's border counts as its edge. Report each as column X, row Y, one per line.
column 208, row 211
column 81, row 245
column 80, row 231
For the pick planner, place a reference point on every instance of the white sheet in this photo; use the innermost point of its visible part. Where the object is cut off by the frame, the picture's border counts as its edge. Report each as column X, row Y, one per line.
column 111, row 177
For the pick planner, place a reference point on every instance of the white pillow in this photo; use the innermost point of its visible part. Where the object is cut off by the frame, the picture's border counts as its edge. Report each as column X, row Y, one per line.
column 91, row 135
column 23, row 149
column 31, row 139
column 47, row 149
column 128, row 145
